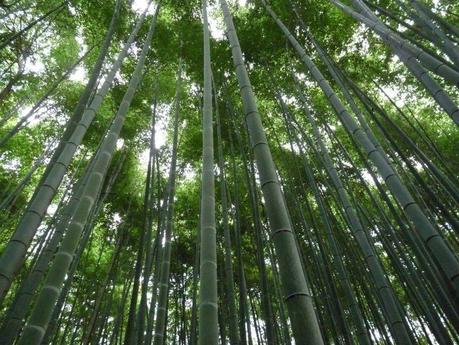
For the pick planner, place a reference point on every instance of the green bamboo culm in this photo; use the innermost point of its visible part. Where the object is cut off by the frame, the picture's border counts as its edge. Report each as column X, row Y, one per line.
column 382, row 284
column 55, row 86
column 229, row 273
column 409, row 55
column 12, row 258
column 42, row 312
column 208, row 307
column 439, row 249
column 8, row 40
column 297, row 294
column 342, row 272
column 438, row 37
column 161, row 315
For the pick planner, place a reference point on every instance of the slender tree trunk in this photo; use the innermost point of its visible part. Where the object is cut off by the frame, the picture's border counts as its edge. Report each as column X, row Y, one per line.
column 19, row 125
column 296, row 292
column 39, row 319
column 431, row 238
column 208, row 295
column 161, row 316
column 229, row 275
column 12, row 257
column 13, row 37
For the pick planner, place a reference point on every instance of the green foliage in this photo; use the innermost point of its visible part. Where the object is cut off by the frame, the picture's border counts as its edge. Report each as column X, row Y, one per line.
column 51, row 47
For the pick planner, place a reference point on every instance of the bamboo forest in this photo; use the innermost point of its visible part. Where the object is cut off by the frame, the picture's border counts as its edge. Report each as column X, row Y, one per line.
column 242, row 172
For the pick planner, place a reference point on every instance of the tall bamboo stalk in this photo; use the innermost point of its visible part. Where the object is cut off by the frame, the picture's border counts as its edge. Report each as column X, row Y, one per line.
column 36, row 327
column 208, row 300
column 296, row 291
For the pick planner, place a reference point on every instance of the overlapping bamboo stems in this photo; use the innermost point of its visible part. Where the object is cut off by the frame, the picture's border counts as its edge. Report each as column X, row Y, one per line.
column 337, row 262
column 249, row 174
column 336, row 307
column 222, row 307
column 244, row 317
column 39, row 319
column 12, row 257
column 20, row 124
column 432, row 274
column 10, row 198
column 285, row 334
column 85, row 242
column 437, row 246
column 85, row 97
column 399, row 260
column 438, row 37
column 90, row 89
column 296, row 292
column 25, row 293
column 266, row 305
column 7, row 41
column 23, row 298
column 434, row 200
column 405, row 268
column 91, row 326
column 403, row 20
column 446, row 184
column 449, row 186
column 158, row 252
column 159, row 336
column 450, row 29
column 194, row 302
column 29, row 286
column 340, row 79
column 229, row 275
column 397, row 43
column 394, row 317
column 408, row 57
column 136, row 319
column 417, row 128
column 321, row 284
column 149, row 204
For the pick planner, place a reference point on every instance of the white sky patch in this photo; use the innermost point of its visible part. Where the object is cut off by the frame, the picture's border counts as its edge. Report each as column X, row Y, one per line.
column 289, row 147
column 13, row 164
column 24, row 111
column 80, row 40
column 34, row 65
column 367, row 177
column 139, row 6
column 120, row 78
column 134, row 50
column 36, row 117
column 396, row 94
column 79, row 75
column 160, row 134
column 119, row 143
column 52, row 209
column 160, row 137
column 117, row 218
column 216, row 25
column 358, row 42
column 289, row 100
column 163, row 114
column 189, row 173
column 72, row 10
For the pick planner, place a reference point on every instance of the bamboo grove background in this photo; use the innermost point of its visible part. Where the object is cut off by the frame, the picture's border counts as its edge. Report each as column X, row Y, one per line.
column 229, row 172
